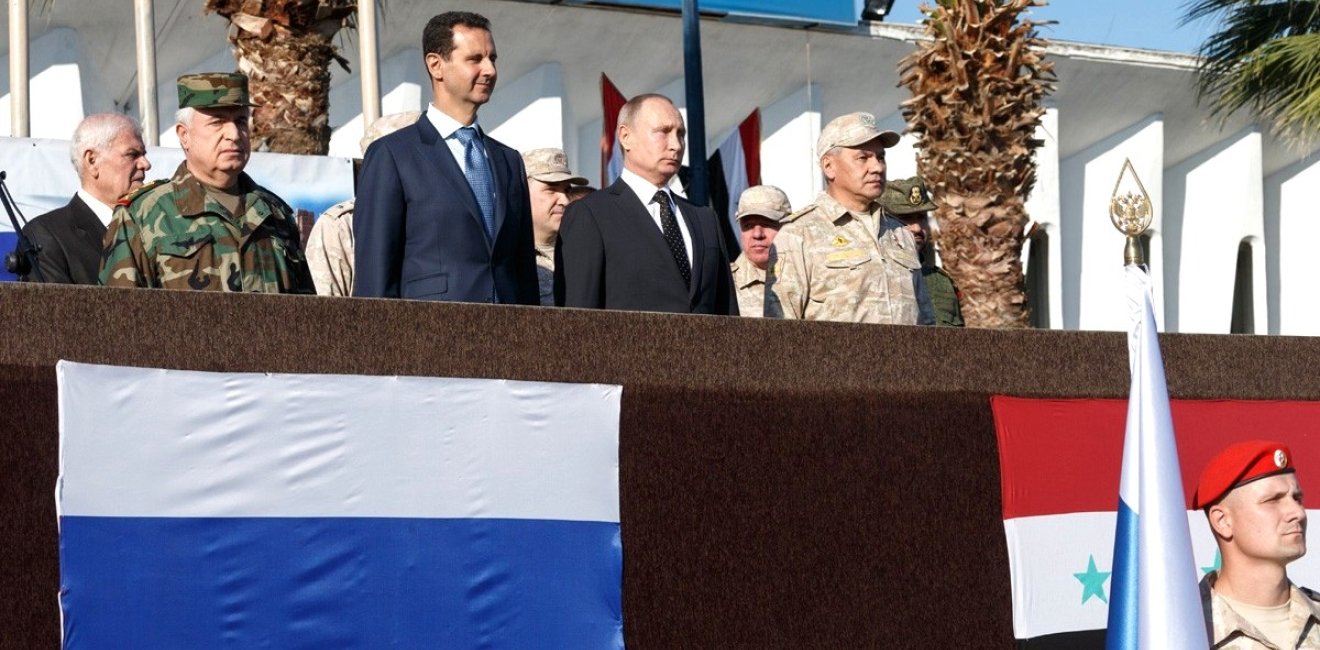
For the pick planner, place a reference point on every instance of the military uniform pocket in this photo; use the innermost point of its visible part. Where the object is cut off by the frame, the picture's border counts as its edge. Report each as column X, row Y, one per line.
column 188, row 262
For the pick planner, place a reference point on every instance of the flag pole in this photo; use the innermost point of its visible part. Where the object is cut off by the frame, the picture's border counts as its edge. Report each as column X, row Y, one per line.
column 696, row 104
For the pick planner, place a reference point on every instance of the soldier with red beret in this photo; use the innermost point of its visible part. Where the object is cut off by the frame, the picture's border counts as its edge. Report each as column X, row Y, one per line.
column 1250, row 495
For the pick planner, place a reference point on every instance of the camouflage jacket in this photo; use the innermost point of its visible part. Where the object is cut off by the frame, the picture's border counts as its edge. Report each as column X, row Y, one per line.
column 330, row 251
column 1230, row 631
column 171, row 235
column 943, row 296
column 831, row 266
column 545, row 274
column 754, row 295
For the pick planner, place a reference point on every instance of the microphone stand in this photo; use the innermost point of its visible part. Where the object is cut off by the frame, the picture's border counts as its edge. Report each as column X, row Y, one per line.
column 23, row 260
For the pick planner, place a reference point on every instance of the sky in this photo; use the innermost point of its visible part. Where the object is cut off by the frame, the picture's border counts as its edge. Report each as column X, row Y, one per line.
column 1149, row 24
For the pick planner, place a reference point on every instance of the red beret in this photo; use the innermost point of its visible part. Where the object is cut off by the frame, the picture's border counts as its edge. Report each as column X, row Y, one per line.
column 1240, row 463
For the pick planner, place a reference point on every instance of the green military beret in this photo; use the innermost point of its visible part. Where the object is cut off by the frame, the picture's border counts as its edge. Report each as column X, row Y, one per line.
column 906, row 196
column 213, row 90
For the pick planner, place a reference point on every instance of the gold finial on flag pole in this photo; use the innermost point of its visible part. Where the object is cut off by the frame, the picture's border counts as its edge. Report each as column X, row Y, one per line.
column 1131, row 212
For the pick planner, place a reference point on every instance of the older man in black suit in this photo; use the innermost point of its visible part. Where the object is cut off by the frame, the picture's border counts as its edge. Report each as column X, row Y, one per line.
column 636, row 245
column 108, row 153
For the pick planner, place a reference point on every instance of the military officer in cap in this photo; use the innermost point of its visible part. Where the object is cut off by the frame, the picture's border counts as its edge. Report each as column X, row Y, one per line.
column 909, row 201
column 841, row 258
column 1250, row 495
column 549, row 184
column 761, row 210
column 209, row 227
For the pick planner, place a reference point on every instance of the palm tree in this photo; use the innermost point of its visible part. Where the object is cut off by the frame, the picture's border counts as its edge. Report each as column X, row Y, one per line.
column 285, row 49
column 1266, row 59
column 977, row 84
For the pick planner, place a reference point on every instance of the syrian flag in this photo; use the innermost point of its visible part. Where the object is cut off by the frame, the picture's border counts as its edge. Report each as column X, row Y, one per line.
column 1059, row 466
column 331, row 511
column 735, row 167
column 611, row 155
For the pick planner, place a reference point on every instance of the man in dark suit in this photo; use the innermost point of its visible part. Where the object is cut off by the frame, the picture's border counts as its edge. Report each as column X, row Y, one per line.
column 108, row 153
column 442, row 210
column 636, row 245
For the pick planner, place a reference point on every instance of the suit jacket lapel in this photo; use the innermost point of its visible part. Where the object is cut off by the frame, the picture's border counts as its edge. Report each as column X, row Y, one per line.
column 434, row 148
column 499, row 167
column 698, row 245
column 86, row 223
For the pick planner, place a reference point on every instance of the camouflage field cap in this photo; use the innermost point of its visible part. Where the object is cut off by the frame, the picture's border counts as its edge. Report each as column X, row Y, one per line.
column 386, row 125
column 550, row 165
column 765, row 201
column 851, row 130
column 213, row 90
column 906, row 196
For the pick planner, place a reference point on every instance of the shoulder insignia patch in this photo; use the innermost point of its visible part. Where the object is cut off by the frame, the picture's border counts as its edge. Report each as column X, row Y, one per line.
column 146, row 187
column 794, row 216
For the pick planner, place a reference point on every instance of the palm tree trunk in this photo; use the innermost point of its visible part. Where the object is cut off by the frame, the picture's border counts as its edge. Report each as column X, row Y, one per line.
column 290, row 84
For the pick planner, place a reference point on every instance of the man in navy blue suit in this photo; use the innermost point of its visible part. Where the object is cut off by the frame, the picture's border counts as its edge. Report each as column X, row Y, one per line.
column 442, row 208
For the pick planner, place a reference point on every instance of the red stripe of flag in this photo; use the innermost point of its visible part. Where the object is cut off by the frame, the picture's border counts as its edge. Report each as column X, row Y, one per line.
column 750, row 134
column 1064, row 456
column 612, row 101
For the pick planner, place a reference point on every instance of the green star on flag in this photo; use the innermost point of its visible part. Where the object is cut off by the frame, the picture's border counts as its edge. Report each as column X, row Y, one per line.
column 1093, row 582
column 1219, row 564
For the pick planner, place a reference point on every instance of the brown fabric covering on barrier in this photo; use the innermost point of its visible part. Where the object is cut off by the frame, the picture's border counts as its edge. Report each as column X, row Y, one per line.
column 783, row 484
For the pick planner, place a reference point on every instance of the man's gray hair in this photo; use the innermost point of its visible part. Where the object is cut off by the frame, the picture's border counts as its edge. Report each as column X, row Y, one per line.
column 97, row 132
column 184, row 115
column 629, row 111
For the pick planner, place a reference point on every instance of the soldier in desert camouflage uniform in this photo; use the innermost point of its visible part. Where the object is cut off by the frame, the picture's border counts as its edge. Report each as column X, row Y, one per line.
column 330, row 246
column 909, row 201
column 761, row 210
column 841, row 258
column 550, row 185
column 1253, row 502
column 210, row 227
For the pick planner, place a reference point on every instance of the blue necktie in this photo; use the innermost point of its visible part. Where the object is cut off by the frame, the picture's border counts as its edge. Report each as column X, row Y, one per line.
column 478, row 176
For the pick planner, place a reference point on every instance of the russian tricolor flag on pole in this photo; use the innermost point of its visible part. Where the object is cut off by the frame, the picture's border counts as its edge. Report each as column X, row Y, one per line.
column 208, row 510
column 1155, row 602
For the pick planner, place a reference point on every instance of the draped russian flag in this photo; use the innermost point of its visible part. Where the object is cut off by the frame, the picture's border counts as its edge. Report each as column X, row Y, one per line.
column 611, row 156
column 207, row 510
column 1155, row 602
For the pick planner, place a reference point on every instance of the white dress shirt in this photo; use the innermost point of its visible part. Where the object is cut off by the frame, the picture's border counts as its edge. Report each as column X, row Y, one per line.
column 645, row 192
column 448, row 127
column 102, row 211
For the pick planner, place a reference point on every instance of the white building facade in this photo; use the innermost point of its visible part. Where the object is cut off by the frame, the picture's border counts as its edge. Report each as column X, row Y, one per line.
column 1235, row 209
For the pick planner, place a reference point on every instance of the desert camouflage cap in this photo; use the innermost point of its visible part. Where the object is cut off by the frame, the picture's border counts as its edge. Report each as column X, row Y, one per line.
column 213, row 89
column 386, row 125
column 764, row 200
column 851, row 130
column 906, row 196
column 550, row 165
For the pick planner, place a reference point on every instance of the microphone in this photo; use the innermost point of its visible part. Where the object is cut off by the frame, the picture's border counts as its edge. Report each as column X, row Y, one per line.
column 22, row 261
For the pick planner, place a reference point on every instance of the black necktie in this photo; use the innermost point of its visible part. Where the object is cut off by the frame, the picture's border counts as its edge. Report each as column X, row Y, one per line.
column 673, row 237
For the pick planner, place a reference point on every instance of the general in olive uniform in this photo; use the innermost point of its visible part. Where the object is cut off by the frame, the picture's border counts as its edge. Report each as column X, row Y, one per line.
column 841, row 258
column 210, row 227
column 909, row 201
column 1253, row 502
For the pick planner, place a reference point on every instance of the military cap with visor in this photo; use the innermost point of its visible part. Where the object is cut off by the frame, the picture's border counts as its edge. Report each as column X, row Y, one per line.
column 763, row 201
column 214, row 90
column 853, row 130
column 550, row 165
column 906, row 196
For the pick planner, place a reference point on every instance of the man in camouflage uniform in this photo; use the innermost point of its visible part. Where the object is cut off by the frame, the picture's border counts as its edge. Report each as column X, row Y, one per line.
column 210, row 227
column 1253, row 502
column 761, row 210
column 550, row 185
column 330, row 246
column 841, row 258
column 909, row 201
